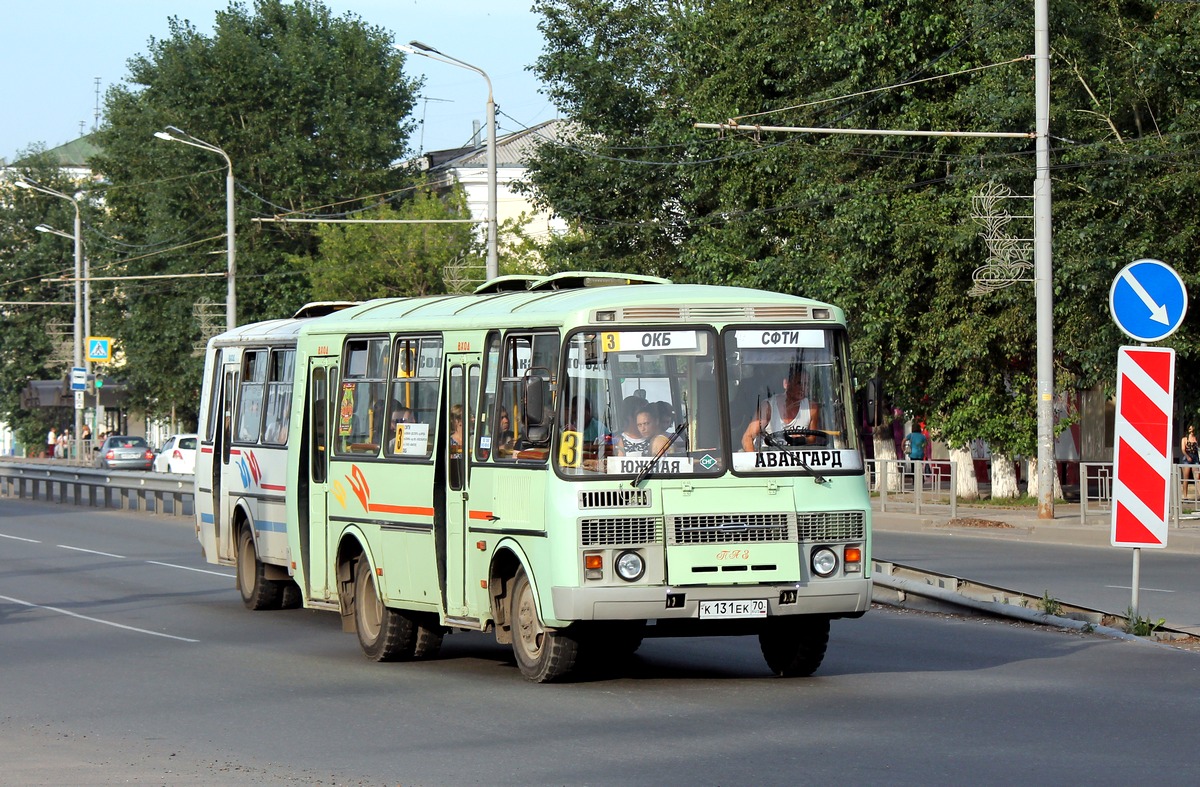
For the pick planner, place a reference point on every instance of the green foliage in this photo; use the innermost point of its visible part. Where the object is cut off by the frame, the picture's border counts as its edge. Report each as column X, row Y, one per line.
column 37, row 341
column 360, row 261
column 311, row 109
column 1050, row 605
column 882, row 225
column 1139, row 626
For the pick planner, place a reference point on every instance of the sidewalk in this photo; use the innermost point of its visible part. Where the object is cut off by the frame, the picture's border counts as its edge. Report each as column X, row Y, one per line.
column 1021, row 523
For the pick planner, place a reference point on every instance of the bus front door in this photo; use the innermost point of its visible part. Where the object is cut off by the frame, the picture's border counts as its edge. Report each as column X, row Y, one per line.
column 222, row 502
column 462, row 375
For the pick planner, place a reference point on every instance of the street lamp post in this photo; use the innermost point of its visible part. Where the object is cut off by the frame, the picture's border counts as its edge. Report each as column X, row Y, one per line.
column 425, row 50
column 173, row 134
column 26, row 183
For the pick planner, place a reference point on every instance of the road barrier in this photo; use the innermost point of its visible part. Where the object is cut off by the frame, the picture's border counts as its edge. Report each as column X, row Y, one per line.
column 913, row 482
column 153, row 493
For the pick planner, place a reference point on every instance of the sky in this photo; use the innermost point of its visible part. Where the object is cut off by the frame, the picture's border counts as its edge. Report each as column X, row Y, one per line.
column 53, row 50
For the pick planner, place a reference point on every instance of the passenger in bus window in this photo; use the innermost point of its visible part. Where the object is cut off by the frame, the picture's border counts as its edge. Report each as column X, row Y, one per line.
column 401, row 415
column 792, row 408
column 646, row 440
column 456, row 428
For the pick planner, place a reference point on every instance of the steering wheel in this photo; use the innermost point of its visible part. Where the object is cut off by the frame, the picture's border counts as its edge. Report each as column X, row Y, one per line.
column 791, row 436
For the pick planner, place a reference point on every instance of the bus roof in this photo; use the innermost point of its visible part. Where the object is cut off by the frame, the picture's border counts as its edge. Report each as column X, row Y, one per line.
column 544, row 304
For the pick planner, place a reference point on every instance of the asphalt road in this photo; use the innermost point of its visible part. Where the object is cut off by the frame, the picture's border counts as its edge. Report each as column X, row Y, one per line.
column 126, row 659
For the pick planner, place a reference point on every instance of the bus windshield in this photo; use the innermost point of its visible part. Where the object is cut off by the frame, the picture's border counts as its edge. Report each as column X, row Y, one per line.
column 633, row 393
column 790, row 400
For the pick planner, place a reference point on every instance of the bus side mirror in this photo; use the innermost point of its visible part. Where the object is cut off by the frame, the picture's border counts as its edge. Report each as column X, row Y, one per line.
column 535, row 400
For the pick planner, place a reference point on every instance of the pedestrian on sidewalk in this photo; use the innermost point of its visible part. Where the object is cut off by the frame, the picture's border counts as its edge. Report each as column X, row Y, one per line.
column 914, row 448
column 51, row 442
column 1191, row 457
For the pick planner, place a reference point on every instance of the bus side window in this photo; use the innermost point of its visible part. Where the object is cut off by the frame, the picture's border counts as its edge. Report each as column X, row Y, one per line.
column 279, row 397
column 493, row 431
column 412, row 400
column 360, row 410
column 250, row 396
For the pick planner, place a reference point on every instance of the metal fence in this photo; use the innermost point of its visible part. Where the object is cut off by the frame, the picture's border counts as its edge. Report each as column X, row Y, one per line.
column 910, row 484
column 1096, row 485
column 59, row 482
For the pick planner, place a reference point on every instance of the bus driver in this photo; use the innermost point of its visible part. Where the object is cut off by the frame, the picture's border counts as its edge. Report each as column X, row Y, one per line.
column 792, row 408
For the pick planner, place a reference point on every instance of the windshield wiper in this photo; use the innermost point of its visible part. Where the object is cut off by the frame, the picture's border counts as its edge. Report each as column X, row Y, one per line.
column 645, row 471
column 817, row 477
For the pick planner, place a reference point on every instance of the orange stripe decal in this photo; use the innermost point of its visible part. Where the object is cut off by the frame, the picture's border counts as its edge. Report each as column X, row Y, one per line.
column 384, row 508
column 479, row 515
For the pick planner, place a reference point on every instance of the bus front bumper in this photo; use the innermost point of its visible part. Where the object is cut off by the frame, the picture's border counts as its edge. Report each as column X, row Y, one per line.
column 834, row 597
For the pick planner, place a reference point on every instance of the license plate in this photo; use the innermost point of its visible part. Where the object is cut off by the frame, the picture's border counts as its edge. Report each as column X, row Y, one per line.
column 747, row 608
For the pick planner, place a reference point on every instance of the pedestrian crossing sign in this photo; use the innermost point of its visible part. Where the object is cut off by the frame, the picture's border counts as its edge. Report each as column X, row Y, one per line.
column 100, row 349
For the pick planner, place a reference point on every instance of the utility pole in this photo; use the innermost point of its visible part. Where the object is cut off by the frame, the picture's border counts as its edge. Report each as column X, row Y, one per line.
column 1043, row 271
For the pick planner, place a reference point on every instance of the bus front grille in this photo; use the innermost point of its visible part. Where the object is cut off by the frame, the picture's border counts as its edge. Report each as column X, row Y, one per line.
column 620, row 531
column 614, row 498
column 831, row 526
column 730, row 529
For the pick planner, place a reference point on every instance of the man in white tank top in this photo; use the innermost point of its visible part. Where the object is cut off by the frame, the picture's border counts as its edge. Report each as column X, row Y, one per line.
column 792, row 408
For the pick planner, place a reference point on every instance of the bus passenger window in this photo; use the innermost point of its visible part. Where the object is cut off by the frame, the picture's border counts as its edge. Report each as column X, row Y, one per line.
column 412, row 400
column 250, row 396
column 360, row 410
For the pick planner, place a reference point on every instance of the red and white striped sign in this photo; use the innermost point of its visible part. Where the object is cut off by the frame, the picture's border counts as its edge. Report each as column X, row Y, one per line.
column 1142, row 446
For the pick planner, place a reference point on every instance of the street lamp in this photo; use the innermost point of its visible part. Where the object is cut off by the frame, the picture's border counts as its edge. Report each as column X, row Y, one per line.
column 26, row 183
column 173, row 134
column 425, row 50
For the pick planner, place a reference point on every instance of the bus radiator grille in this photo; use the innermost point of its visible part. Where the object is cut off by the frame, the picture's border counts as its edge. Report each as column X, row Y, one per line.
column 731, row 529
column 831, row 526
column 620, row 531
column 614, row 498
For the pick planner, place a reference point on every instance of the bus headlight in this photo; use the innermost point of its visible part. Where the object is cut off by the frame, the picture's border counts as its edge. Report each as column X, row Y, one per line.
column 630, row 566
column 824, row 561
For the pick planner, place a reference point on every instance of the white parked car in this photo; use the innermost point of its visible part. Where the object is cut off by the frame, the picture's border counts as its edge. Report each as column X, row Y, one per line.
column 178, row 455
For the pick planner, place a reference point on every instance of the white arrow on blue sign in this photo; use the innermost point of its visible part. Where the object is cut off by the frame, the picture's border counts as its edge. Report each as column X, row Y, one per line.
column 1148, row 300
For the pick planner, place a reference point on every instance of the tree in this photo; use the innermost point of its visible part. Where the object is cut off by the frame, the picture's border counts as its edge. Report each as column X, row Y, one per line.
column 360, row 261
column 881, row 226
column 312, row 110
column 37, row 340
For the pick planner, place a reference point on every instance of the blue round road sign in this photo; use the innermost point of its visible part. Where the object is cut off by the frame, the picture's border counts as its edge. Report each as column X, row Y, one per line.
column 1148, row 300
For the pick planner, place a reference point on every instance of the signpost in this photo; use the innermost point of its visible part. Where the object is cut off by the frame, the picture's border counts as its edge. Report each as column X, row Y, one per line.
column 1148, row 302
column 99, row 349
column 78, row 378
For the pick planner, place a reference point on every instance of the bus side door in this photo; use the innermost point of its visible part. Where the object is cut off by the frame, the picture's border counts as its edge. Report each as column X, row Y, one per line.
column 462, row 376
column 312, row 507
column 222, row 502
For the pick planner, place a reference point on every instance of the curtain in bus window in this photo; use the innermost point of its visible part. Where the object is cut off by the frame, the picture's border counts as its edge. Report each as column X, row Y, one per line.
column 412, row 405
column 279, row 397
column 250, row 396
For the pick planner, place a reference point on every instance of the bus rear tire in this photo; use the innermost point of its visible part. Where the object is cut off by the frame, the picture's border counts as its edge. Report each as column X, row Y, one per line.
column 794, row 646
column 543, row 655
column 385, row 634
column 258, row 592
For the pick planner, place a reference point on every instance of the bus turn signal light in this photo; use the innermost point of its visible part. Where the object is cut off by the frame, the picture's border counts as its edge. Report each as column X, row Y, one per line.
column 853, row 558
column 593, row 561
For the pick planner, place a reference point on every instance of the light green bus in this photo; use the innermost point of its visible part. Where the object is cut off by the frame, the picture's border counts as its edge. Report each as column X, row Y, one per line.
column 576, row 462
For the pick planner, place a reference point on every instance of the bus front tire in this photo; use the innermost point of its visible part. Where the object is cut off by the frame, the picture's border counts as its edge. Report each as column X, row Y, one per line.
column 794, row 646
column 258, row 592
column 543, row 655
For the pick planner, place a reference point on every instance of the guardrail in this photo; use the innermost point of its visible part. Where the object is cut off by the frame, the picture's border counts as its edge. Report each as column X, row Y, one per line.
column 913, row 482
column 127, row 490
column 1096, row 485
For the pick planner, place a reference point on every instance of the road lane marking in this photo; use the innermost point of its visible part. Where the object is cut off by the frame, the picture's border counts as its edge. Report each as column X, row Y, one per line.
column 18, row 538
column 95, row 620
column 1127, row 587
column 90, row 551
column 189, row 568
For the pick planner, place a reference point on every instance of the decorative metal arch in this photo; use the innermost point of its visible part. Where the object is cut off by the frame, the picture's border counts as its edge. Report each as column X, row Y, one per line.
column 1010, row 259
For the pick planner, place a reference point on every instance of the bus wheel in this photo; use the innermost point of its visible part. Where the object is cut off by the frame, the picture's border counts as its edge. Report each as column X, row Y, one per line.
column 385, row 634
column 258, row 592
column 794, row 646
column 542, row 654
